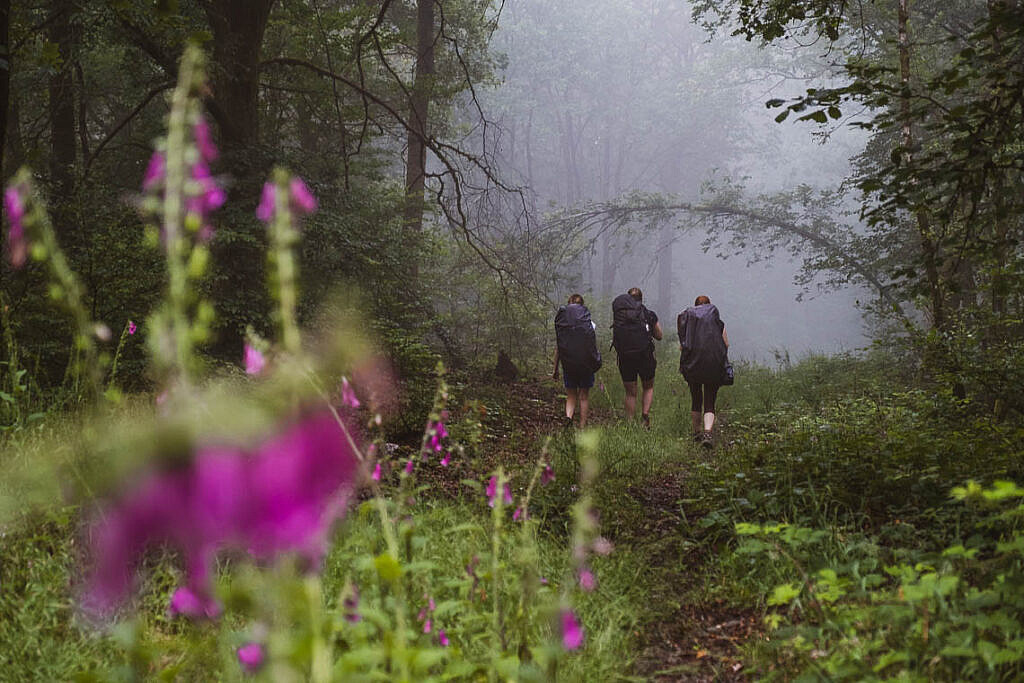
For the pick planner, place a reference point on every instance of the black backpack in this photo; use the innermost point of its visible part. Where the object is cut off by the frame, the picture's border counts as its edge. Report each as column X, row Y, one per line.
column 630, row 333
column 577, row 342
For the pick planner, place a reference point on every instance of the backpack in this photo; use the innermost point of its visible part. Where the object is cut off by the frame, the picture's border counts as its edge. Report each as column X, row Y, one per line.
column 577, row 342
column 630, row 332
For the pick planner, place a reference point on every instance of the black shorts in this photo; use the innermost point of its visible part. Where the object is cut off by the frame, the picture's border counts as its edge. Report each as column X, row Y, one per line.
column 633, row 364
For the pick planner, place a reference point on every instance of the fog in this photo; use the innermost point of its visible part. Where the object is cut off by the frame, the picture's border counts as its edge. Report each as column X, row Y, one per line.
column 602, row 98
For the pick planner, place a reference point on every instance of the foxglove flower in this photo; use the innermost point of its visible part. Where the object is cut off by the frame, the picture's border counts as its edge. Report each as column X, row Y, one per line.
column 376, row 472
column 156, row 171
column 251, row 657
column 131, row 327
column 254, row 360
column 302, row 200
column 442, row 638
column 348, row 396
column 266, row 208
column 17, row 245
column 280, row 497
column 572, row 632
column 184, row 602
column 204, row 141
column 409, row 465
column 587, row 580
column 492, row 490
column 517, row 514
column 446, row 459
column 548, row 475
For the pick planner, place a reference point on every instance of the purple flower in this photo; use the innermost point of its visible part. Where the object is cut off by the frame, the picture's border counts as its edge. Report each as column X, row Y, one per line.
column 348, row 396
column 492, row 490
column 587, row 580
column 602, row 546
column 131, row 327
column 376, row 472
column 442, row 638
column 156, row 171
column 186, row 603
column 211, row 197
column 427, row 625
column 572, row 632
column 446, row 459
column 17, row 247
column 303, row 200
column 517, row 514
column 251, row 657
column 280, row 497
column 268, row 203
column 254, row 361
column 548, row 475
column 204, row 141
column 409, row 465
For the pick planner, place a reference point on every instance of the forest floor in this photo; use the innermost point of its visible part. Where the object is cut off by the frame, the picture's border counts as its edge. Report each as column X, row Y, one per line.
column 688, row 636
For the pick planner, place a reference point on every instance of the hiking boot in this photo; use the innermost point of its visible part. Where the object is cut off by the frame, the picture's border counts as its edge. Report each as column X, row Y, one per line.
column 697, row 437
column 645, row 420
column 706, row 442
column 567, row 422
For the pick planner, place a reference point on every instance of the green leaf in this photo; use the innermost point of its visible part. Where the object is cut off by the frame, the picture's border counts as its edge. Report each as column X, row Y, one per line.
column 783, row 594
column 835, row 112
column 387, row 567
column 783, row 116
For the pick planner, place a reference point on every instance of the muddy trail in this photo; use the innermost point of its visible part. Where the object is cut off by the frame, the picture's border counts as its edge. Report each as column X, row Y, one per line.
column 686, row 637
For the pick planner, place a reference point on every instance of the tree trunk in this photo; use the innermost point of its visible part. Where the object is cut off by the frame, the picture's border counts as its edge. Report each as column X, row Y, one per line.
column 5, row 78
column 62, row 33
column 663, row 301
column 419, row 104
column 238, row 27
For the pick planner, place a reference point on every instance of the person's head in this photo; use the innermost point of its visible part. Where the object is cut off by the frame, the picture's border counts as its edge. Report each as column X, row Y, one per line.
column 636, row 294
column 576, row 299
column 701, row 300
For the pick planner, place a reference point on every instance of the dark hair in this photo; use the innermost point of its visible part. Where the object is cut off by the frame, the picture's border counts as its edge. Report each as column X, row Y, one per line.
column 701, row 300
column 636, row 293
column 576, row 299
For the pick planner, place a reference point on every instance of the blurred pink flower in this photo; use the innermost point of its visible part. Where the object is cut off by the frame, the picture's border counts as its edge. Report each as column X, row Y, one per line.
column 254, row 360
column 204, row 141
column 572, row 632
column 602, row 546
column 303, row 200
column 409, row 465
column 351, row 605
column 376, row 472
column 131, row 327
column 186, row 603
column 14, row 207
column 446, row 459
column 279, row 497
column 517, row 514
column 156, row 170
column 442, row 638
column 268, row 201
column 548, row 475
column 587, row 580
column 251, row 657
column 348, row 396
column 492, row 490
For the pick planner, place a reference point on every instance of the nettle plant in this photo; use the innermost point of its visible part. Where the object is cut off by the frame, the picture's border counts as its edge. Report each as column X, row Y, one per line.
column 953, row 613
column 249, row 514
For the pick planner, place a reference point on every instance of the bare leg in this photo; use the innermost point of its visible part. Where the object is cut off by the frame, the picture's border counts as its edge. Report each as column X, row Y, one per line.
column 709, row 421
column 648, row 396
column 570, row 402
column 630, row 403
column 584, row 406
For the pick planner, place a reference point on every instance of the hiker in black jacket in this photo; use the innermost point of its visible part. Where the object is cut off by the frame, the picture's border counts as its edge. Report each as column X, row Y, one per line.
column 703, row 346
column 634, row 329
column 576, row 349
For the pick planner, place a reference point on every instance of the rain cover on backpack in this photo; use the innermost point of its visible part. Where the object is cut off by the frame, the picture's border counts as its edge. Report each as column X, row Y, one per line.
column 630, row 332
column 704, row 354
column 577, row 342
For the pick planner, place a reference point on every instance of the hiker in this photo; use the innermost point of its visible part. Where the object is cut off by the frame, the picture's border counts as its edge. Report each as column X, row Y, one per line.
column 703, row 347
column 634, row 329
column 576, row 348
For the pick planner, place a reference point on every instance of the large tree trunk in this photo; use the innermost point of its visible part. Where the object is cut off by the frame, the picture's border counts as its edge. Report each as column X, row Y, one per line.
column 416, row 161
column 62, row 33
column 238, row 286
column 5, row 79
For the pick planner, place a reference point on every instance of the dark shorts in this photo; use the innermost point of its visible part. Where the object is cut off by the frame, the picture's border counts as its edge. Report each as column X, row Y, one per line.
column 572, row 381
column 634, row 364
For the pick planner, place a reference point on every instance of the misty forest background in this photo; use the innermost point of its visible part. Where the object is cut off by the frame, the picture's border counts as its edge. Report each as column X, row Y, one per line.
column 842, row 178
